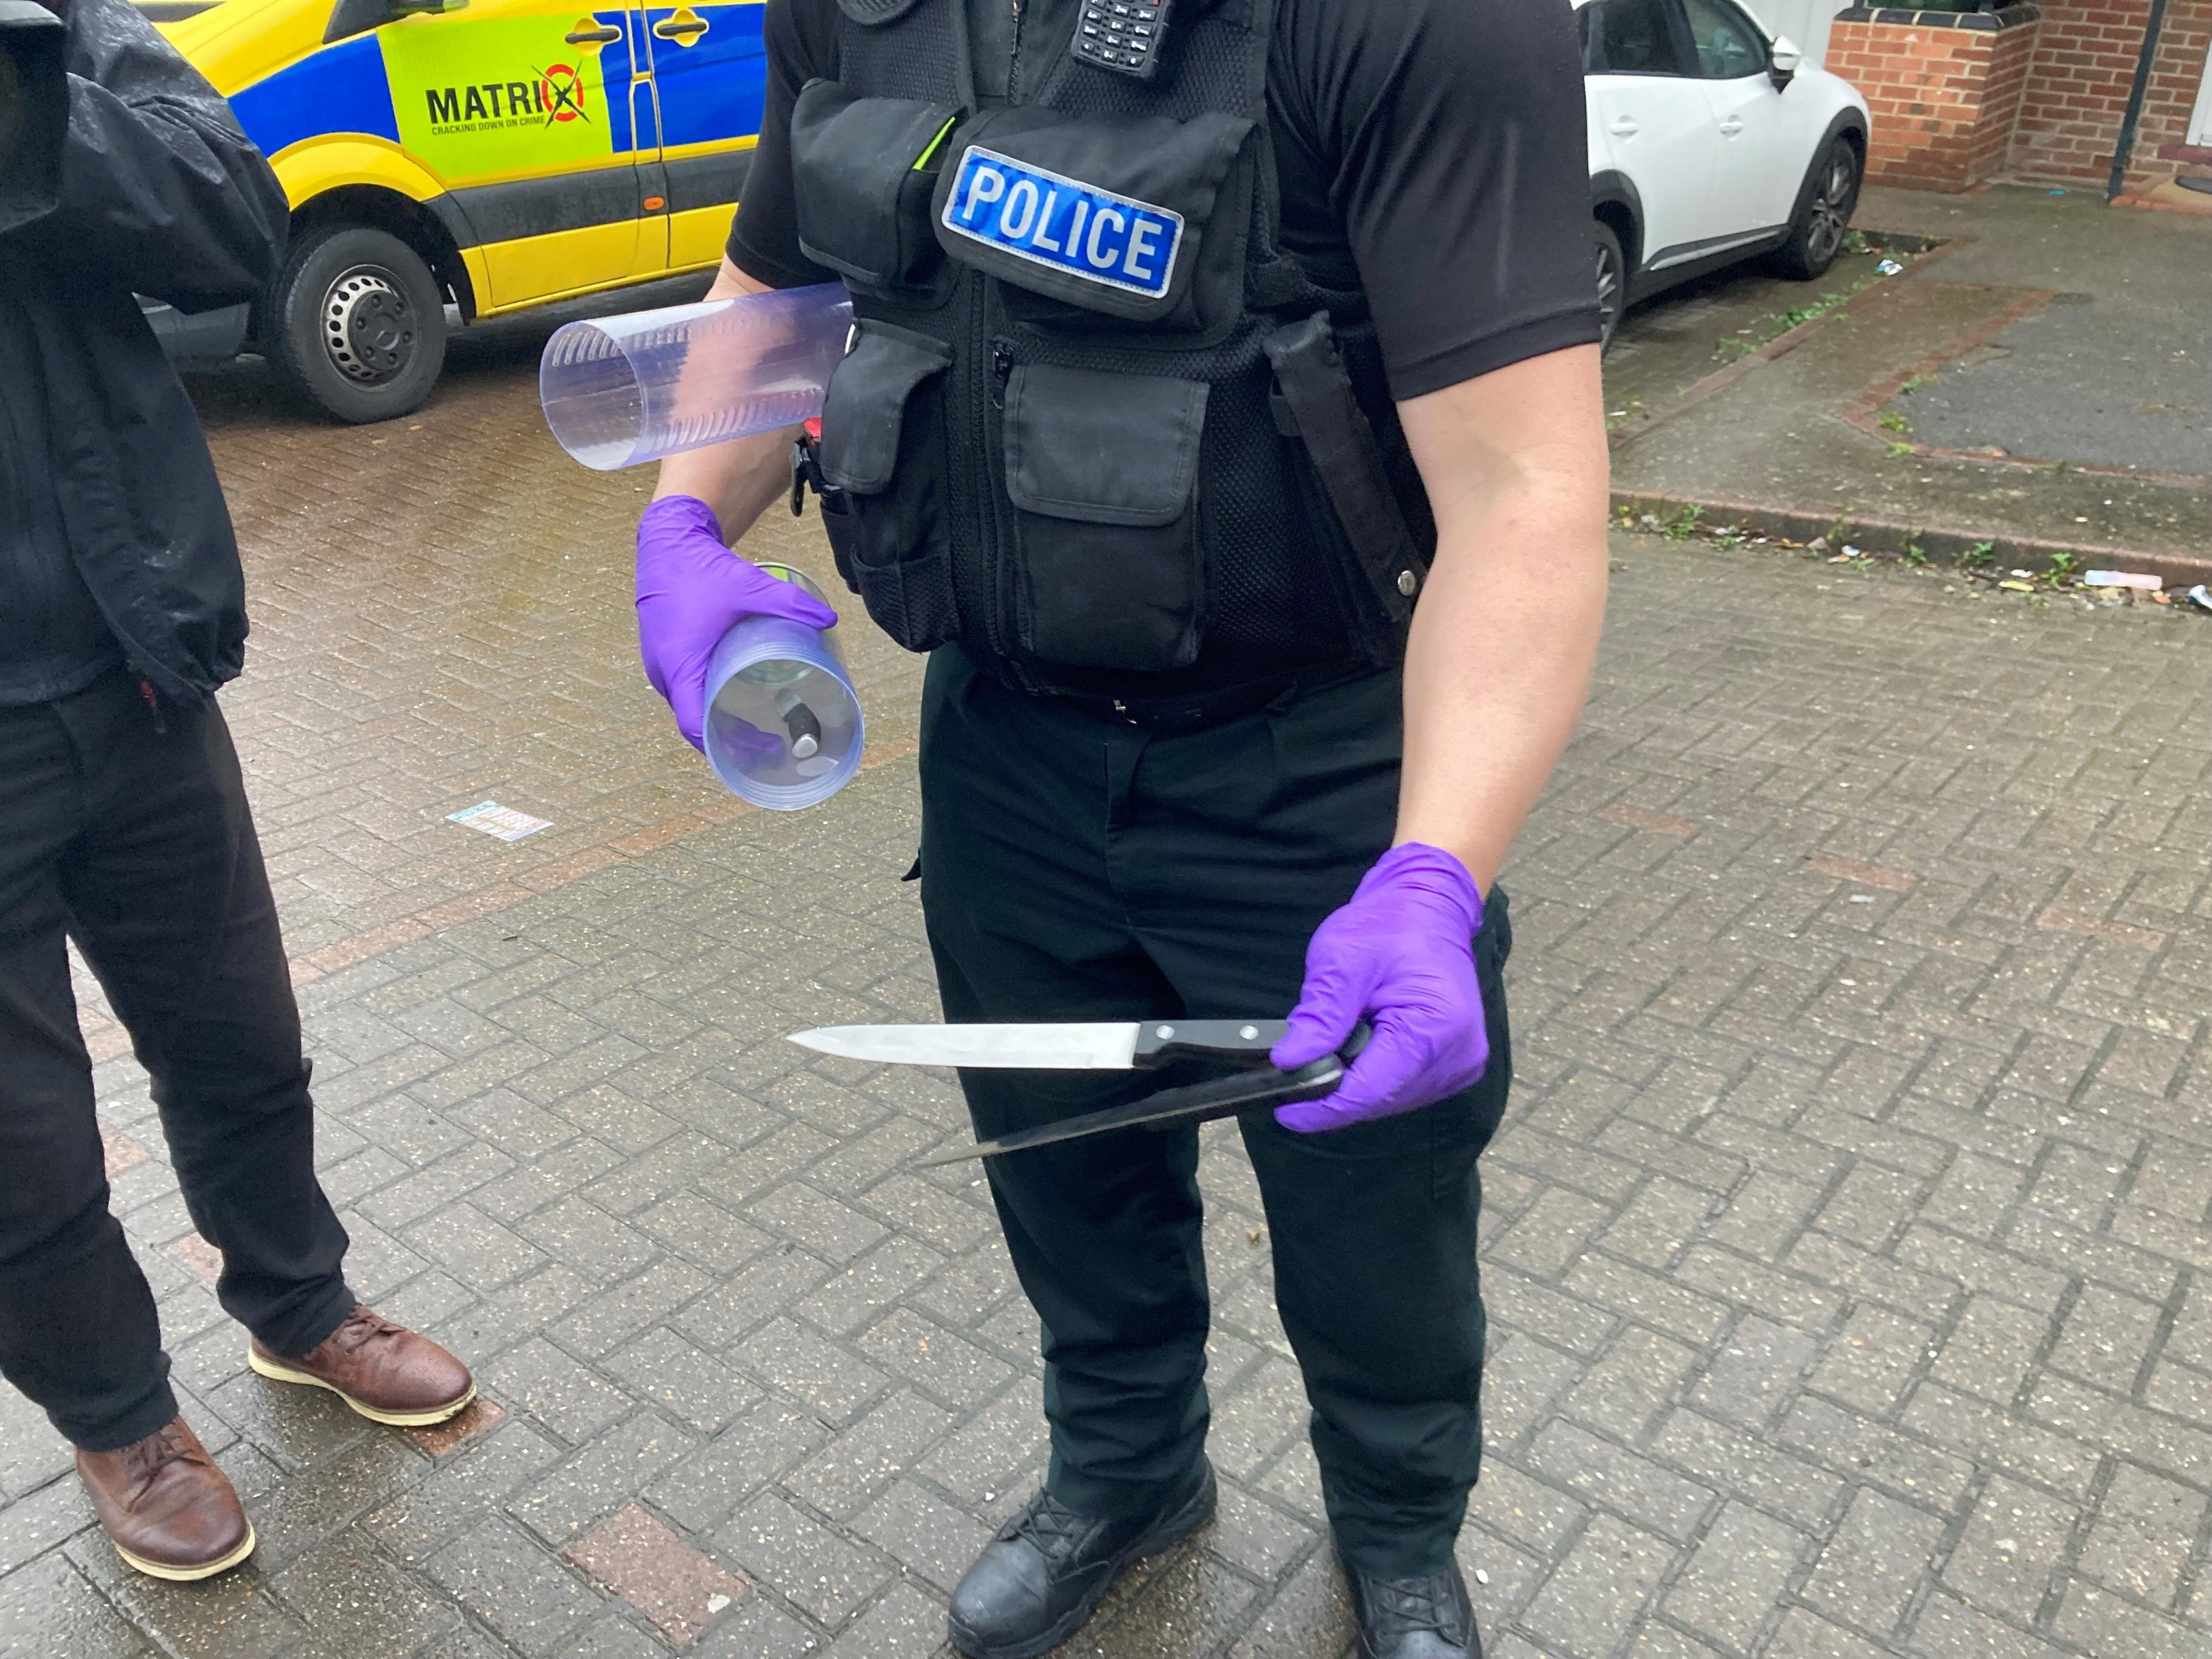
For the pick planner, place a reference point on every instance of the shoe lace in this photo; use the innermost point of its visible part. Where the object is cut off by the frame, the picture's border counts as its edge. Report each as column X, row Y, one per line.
column 1048, row 1524
column 359, row 1328
column 143, row 1459
column 1401, row 1607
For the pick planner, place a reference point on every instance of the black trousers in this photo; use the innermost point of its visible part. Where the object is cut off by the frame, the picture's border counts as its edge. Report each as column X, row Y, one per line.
column 1075, row 869
column 136, row 842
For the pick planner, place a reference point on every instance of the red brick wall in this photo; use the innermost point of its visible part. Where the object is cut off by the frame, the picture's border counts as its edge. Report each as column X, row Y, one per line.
column 2077, row 90
column 2002, row 95
column 1943, row 100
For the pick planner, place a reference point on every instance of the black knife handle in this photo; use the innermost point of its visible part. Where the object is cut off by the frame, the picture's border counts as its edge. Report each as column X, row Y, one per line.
column 1223, row 1042
column 1240, row 1042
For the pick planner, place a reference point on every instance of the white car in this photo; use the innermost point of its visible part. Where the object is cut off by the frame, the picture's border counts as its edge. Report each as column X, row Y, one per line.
column 1710, row 142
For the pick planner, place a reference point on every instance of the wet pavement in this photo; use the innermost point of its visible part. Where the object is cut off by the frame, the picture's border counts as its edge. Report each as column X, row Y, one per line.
column 1671, row 342
column 2115, row 371
column 1843, row 1249
column 2038, row 379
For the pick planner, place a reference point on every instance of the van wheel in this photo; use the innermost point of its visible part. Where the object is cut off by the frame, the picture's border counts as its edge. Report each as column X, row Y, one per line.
column 357, row 323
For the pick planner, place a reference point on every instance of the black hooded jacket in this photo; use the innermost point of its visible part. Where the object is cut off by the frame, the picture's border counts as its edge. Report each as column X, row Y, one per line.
column 122, row 172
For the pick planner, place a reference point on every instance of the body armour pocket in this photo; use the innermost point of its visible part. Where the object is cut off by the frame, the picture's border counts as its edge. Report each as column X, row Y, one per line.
column 1102, row 471
column 1100, row 222
column 882, row 456
column 863, row 169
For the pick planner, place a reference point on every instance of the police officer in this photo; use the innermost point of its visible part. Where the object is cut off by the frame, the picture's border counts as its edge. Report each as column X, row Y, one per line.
column 1225, row 384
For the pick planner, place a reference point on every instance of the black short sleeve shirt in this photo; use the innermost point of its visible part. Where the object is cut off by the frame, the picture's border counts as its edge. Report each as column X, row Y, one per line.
column 1432, row 151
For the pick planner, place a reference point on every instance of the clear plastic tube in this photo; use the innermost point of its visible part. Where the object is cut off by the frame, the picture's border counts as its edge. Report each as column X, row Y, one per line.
column 784, row 727
column 619, row 390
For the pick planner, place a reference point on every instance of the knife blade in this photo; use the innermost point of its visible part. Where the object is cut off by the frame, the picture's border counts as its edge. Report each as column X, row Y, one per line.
column 1168, row 1109
column 1116, row 1046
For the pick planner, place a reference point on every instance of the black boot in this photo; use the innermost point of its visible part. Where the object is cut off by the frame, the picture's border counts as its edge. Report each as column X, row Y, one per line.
column 1428, row 1618
column 1037, row 1581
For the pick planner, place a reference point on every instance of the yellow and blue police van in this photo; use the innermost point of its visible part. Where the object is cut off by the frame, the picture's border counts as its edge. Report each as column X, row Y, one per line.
column 467, row 158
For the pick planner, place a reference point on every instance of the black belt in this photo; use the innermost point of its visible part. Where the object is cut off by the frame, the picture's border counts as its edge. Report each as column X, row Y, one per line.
column 1190, row 711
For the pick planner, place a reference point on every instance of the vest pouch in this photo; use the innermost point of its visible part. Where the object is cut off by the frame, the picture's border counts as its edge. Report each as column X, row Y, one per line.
column 1097, row 222
column 863, row 169
column 1314, row 401
column 1102, row 471
column 882, row 456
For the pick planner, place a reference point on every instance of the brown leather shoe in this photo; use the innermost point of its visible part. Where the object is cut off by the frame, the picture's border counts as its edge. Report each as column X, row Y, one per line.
column 385, row 1371
column 167, row 1509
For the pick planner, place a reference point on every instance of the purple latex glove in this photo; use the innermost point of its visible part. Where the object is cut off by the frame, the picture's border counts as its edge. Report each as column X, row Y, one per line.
column 691, row 590
column 1402, row 956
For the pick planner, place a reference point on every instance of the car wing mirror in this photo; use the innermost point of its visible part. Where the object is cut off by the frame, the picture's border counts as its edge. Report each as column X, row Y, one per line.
column 1784, row 61
column 352, row 17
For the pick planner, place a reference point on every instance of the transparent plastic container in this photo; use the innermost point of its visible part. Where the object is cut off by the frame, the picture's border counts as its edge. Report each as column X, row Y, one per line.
column 621, row 391
column 784, row 728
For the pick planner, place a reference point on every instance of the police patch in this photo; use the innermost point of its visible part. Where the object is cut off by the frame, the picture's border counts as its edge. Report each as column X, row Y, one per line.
column 1063, row 224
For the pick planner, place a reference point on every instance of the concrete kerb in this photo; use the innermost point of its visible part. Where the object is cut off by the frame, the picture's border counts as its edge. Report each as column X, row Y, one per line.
column 1947, row 545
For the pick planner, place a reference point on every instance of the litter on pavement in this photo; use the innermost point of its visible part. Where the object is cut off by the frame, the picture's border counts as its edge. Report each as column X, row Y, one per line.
column 2200, row 597
column 2137, row 578
column 502, row 823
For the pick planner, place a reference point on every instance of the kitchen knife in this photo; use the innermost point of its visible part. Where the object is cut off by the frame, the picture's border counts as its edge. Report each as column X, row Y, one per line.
column 1103, row 1047
column 1119, row 1046
column 1170, row 1108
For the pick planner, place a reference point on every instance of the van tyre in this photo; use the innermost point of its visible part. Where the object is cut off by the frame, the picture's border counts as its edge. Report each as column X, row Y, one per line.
column 356, row 324
column 1824, row 207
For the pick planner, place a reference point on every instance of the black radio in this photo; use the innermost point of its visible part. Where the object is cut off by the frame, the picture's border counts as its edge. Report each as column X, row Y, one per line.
column 1122, row 35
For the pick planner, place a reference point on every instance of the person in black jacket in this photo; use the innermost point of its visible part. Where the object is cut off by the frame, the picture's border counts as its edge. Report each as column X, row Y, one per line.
column 123, row 824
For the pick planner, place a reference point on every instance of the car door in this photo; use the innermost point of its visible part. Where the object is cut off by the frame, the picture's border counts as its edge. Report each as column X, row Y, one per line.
column 1760, row 157
column 537, row 119
column 709, row 78
column 1653, row 120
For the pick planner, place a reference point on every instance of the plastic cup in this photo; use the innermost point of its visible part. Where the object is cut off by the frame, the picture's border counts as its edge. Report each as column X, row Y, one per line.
column 784, row 728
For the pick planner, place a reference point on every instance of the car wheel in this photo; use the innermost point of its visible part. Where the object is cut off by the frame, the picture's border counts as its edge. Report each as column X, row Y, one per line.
column 357, row 323
column 1611, row 282
column 1824, row 213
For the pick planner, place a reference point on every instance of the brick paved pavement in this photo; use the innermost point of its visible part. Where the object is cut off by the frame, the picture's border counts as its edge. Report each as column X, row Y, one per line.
column 1843, row 1249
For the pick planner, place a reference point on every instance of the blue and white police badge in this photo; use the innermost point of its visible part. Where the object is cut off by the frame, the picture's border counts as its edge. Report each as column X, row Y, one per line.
column 1064, row 224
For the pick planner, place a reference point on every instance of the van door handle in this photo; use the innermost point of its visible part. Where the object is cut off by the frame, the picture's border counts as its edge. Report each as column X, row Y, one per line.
column 685, row 27
column 598, row 34
column 1624, row 128
column 1733, row 125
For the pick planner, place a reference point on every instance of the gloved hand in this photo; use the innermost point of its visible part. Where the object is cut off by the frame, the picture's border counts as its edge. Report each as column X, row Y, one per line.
column 1400, row 955
column 691, row 590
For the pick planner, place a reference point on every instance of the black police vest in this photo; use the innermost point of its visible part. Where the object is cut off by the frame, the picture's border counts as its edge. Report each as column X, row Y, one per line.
column 1094, row 425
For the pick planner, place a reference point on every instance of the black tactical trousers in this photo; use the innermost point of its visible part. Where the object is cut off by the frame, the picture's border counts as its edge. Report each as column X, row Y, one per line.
column 138, row 843
column 1077, row 869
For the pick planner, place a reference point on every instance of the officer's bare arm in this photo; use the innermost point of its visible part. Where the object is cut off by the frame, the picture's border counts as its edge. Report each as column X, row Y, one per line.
column 738, row 480
column 1516, row 465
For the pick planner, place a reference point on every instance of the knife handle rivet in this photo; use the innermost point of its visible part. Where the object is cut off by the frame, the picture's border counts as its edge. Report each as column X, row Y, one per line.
column 1164, row 1033
column 1248, row 1032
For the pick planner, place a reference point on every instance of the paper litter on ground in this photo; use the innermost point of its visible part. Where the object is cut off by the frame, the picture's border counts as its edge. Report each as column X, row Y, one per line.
column 502, row 823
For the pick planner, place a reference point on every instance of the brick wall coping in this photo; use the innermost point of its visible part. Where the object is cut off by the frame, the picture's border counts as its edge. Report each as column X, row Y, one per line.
column 2011, row 17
